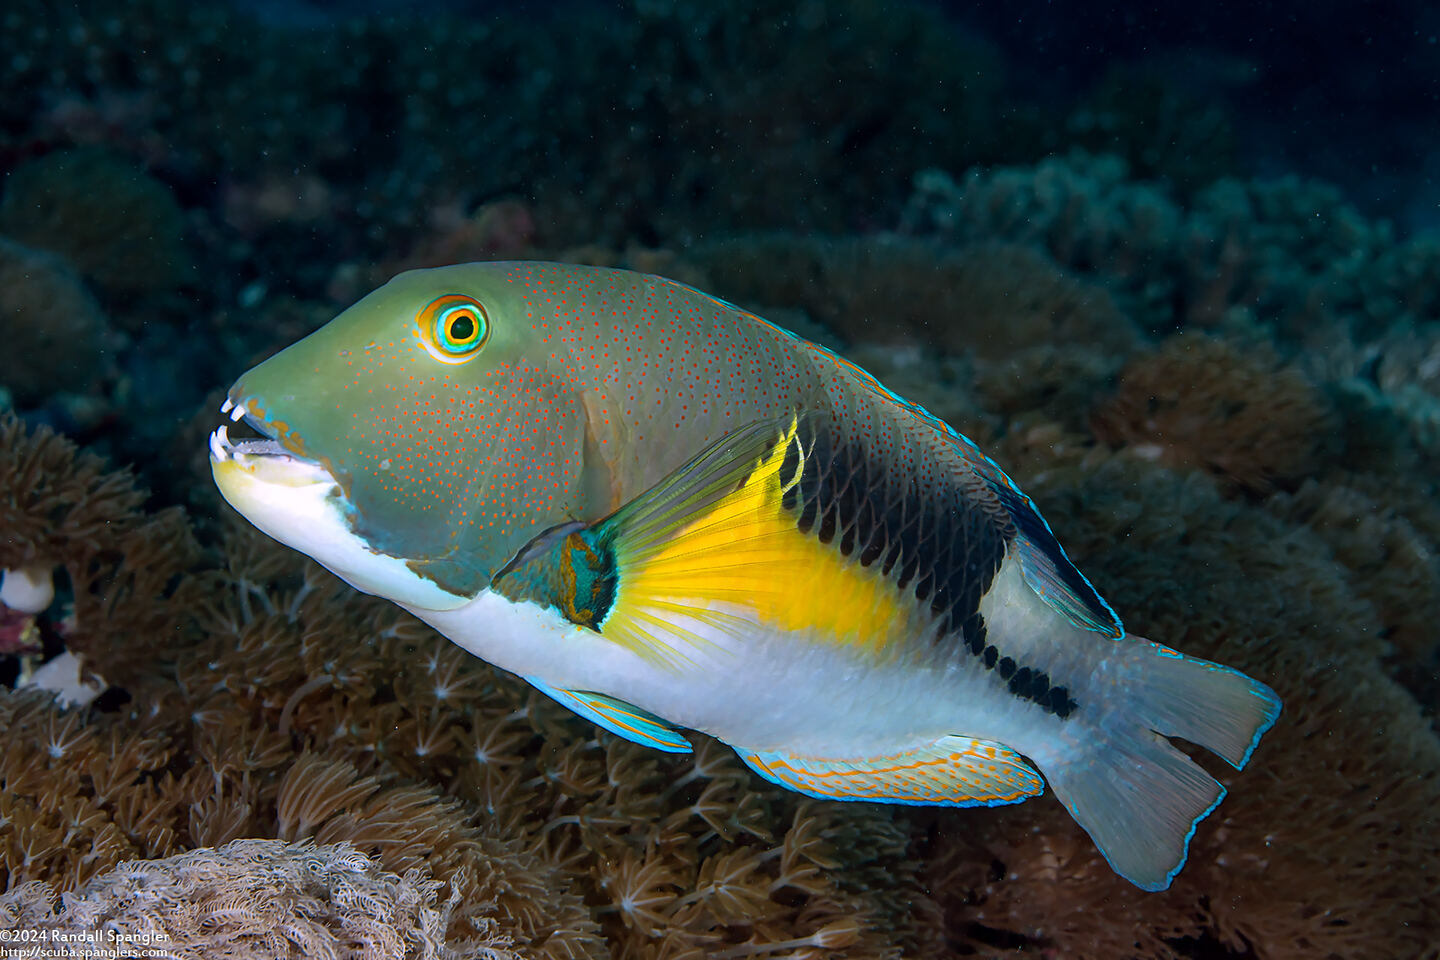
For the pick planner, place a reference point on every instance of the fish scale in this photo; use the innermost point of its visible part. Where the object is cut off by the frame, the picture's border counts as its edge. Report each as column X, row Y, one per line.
column 666, row 513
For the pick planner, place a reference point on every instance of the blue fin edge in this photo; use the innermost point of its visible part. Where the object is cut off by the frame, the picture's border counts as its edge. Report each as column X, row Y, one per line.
column 993, row 475
column 1274, row 707
column 750, row 756
column 1184, row 850
column 650, row 730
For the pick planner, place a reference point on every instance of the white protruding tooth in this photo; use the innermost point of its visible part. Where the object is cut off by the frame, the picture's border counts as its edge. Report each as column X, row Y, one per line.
column 217, row 450
column 223, row 432
column 225, row 407
column 237, row 413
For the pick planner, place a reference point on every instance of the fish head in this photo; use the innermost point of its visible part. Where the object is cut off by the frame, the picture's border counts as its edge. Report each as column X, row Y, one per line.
column 413, row 444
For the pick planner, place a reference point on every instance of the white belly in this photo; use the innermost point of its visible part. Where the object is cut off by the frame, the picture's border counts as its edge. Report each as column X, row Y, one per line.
column 750, row 686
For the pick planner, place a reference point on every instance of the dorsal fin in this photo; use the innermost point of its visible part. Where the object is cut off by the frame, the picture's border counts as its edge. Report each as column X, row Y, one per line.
column 1047, row 570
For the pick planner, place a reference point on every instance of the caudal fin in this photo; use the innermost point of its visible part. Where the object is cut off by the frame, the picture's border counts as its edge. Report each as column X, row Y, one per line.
column 1138, row 796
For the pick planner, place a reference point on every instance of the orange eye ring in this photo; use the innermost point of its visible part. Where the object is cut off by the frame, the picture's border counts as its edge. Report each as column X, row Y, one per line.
column 453, row 327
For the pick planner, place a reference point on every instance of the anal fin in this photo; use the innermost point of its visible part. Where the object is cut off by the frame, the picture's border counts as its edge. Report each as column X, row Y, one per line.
column 951, row 772
column 617, row 716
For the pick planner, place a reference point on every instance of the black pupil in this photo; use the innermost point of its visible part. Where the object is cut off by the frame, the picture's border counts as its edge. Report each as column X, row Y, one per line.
column 462, row 327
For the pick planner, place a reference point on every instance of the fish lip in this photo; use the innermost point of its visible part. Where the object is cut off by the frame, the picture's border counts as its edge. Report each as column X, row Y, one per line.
column 270, row 444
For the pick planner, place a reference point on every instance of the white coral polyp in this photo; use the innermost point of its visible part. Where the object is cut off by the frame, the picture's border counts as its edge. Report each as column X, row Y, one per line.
column 27, row 589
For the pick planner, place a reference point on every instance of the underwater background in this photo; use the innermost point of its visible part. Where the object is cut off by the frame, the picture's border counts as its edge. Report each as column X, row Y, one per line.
column 1176, row 270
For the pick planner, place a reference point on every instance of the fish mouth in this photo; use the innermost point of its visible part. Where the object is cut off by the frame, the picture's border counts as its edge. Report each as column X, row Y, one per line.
column 265, row 441
column 299, row 502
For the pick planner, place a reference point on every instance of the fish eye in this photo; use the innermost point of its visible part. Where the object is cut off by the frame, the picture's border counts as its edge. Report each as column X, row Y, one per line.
column 453, row 327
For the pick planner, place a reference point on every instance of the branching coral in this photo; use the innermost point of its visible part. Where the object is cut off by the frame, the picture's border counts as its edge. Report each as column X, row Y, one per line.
column 1402, row 286
column 1395, row 377
column 1083, row 211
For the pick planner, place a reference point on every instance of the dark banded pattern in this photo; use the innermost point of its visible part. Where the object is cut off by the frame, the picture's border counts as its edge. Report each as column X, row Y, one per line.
column 941, row 547
column 935, row 546
column 1027, row 683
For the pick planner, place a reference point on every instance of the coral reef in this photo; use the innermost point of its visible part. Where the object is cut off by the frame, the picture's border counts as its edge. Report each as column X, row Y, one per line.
column 1163, row 131
column 1083, row 211
column 60, row 509
column 298, row 711
column 55, row 334
column 1343, row 787
column 1010, row 326
column 1224, row 393
column 1289, row 253
column 1393, row 566
column 120, row 227
column 1222, row 407
column 256, row 900
column 986, row 299
column 722, row 117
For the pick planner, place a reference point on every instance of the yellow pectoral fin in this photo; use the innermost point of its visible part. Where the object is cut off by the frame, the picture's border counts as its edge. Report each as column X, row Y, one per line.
column 715, row 537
